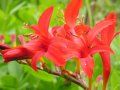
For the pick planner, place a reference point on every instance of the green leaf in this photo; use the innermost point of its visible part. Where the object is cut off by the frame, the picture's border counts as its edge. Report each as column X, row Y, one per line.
column 17, row 8
column 15, row 69
column 42, row 75
column 114, row 80
column 9, row 81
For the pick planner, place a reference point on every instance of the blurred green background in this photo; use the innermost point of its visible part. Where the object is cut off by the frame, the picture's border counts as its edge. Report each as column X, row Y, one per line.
column 14, row 14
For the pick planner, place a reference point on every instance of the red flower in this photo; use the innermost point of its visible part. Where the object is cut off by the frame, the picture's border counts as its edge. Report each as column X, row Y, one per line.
column 86, row 51
column 90, row 47
column 54, row 48
column 44, row 44
column 83, row 36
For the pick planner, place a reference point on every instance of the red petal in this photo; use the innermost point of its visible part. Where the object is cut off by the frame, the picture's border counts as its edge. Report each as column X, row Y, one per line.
column 44, row 21
column 72, row 11
column 35, row 59
column 87, row 65
column 59, row 31
column 106, row 67
column 18, row 53
column 54, row 53
column 35, row 28
column 107, row 35
column 67, row 43
column 55, row 30
column 111, row 15
column 66, row 48
column 4, row 46
column 81, row 29
column 98, row 28
column 33, row 45
column 100, row 48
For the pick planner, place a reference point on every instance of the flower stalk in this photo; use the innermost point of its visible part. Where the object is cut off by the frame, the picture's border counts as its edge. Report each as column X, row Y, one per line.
column 64, row 75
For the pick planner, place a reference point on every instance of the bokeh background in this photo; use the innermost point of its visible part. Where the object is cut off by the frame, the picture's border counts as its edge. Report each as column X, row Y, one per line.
column 14, row 14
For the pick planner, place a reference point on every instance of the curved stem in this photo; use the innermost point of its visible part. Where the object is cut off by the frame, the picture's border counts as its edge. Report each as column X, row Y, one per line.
column 63, row 75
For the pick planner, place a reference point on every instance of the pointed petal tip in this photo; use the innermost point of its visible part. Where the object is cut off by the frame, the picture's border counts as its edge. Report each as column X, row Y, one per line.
column 46, row 14
column 71, row 11
column 99, row 27
column 106, row 68
column 44, row 21
column 52, row 7
column 111, row 15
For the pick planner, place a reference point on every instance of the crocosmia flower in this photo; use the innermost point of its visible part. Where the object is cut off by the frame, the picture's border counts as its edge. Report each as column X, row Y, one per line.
column 54, row 48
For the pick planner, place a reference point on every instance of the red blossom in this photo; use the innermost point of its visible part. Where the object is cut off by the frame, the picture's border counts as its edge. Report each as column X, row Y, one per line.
column 83, row 36
column 54, row 48
column 43, row 44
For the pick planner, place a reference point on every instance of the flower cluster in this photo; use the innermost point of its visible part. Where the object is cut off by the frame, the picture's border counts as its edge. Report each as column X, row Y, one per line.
column 71, row 40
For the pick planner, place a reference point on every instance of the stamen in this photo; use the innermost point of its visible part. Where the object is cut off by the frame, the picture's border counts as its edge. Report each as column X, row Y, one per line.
column 31, row 36
column 81, row 20
column 60, row 17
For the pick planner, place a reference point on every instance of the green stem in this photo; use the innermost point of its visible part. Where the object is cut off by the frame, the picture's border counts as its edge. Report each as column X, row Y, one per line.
column 108, row 2
column 77, row 66
column 63, row 75
column 89, row 12
column 90, row 84
column 104, row 85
